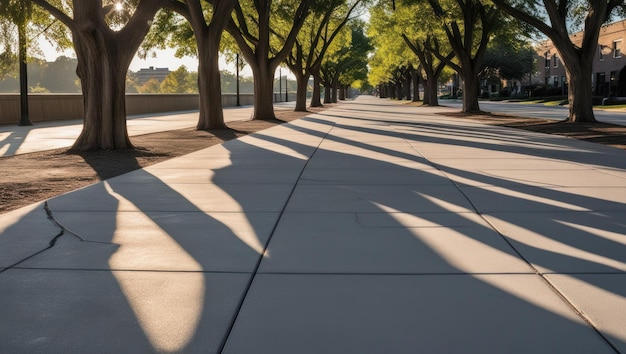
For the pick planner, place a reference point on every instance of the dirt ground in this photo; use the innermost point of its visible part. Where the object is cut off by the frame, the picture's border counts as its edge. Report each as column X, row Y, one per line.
column 30, row 178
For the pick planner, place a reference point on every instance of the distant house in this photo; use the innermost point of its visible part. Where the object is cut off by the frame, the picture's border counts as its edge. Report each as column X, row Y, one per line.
column 609, row 76
column 146, row 74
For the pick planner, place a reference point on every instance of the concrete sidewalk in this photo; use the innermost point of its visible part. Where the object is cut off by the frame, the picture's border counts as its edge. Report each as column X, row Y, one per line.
column 372, row 227
column 15, row 140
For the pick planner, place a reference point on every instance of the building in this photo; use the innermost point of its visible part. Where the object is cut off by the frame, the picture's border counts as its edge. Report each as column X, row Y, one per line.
column 146, row 74
column 609, row 76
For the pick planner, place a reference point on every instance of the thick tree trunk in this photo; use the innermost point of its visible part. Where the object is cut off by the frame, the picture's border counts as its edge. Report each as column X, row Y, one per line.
column 209, row 87
column 433, row 97
column 333, row 92
column 102, row 69
column 471, row 91
column 427, row 95
column 327, row 94
column 580, row 94
column 316, row 98
column 263, row 92
column 302, row 81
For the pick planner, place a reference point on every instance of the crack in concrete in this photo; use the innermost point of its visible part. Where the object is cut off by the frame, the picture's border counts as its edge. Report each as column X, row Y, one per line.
column 62, row 231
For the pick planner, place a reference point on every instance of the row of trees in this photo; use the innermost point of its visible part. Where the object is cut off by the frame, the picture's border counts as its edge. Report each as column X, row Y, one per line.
column 59, row 76
column 107, row 34
column 470, row 37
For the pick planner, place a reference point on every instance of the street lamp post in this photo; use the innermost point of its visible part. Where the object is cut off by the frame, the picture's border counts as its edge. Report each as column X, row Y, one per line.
column 237, row 71
column 286, row 90
column 280, row 82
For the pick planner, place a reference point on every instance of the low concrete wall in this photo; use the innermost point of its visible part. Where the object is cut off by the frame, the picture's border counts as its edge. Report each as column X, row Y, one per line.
column 48, row 107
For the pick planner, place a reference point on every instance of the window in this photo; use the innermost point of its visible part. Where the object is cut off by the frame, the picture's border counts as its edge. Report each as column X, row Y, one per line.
column 617, row 48
column 555, row 61
column 600, row 52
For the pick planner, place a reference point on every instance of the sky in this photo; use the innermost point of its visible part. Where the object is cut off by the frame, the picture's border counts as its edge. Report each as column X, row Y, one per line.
column 163, row 59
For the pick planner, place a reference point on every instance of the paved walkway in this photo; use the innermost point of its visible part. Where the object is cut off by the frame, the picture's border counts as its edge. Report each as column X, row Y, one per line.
column 372, row 227
column 15, row 140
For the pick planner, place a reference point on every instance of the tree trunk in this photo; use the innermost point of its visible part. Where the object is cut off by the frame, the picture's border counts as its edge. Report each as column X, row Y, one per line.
column 399, row 90
column 263, row 92
column 580, row 94
column 416, row 87
column 471, row 91
column 333, row 92
column 433, row 97
column 407, row 84
column 342, row 93
column 427, row 94
column 208, row 38
column 209, row 86
column 24, row 116
column 316, row 98
column 302, row 82
column 327, row 94
column 102, row 70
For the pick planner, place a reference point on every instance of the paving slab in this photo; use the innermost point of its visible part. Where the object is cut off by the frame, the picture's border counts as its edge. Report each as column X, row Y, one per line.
column 23, row 233
column 61, row 311
column 479, row 163
column 158, row 196
column 227, row 175
column 488, row 199
column 381, row 175
column 536, row 177
column 372, row 198
column 602, row 300
column 408, row 314
column 158, row 241
column 567, row 242
column 349, row 243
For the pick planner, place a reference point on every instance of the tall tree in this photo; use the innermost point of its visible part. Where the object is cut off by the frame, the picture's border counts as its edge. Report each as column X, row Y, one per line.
column 265, row 32
column 468, row 25
column 354, row 55
column 207, row 20
column 30, row 23
column 106, row 36
column 423, row 35
column 554, row 18
column 327, row 19
column 20, row 13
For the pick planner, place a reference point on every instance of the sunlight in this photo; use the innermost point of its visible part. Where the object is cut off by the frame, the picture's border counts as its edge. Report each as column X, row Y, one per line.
column 119, row 7
column 474, row 251
column 473, row 254
column 274, row 147
column 170, row 316
column 445, row 205
column 557, row 247
column 609, row 235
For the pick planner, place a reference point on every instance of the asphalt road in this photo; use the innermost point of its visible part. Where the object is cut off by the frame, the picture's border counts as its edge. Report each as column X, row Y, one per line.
column 539, row 111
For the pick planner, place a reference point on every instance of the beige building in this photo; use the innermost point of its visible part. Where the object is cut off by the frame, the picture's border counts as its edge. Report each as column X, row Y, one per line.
column 609, row 76
column 145, row 74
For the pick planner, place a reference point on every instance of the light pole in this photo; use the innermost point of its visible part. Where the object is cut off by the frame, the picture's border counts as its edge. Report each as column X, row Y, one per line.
column 286, row 90
column 237, row 74
column 280, row 82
